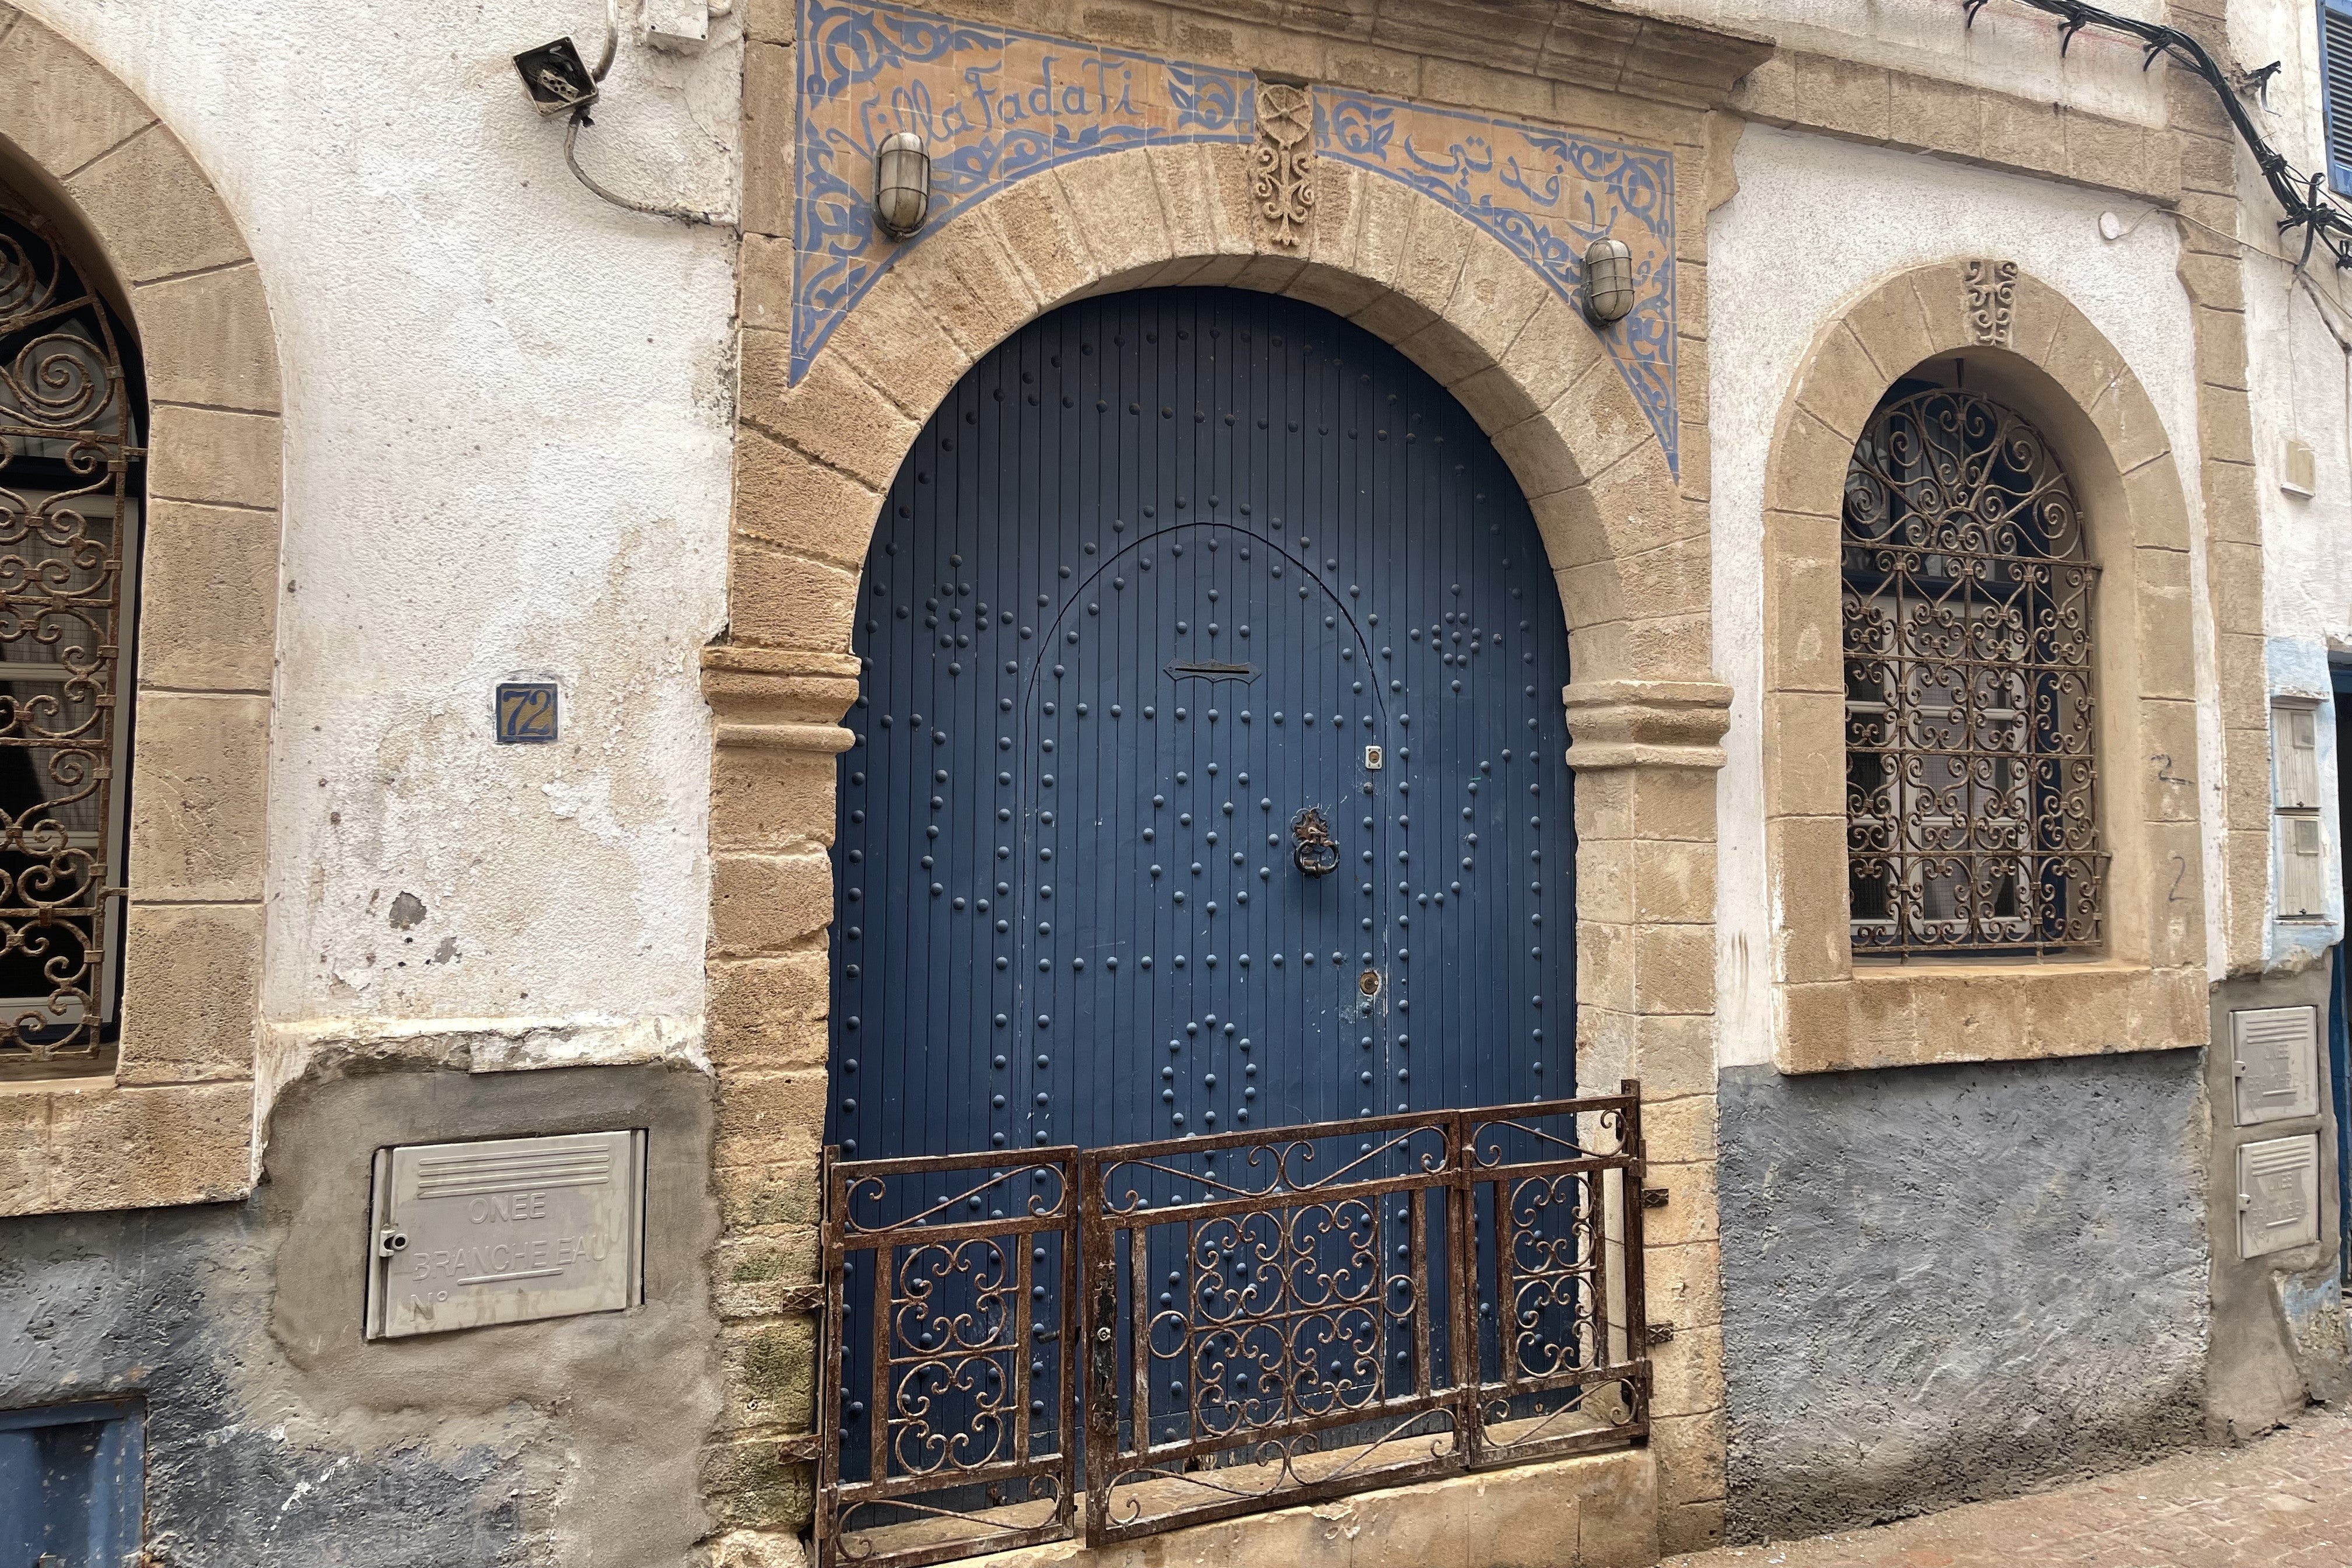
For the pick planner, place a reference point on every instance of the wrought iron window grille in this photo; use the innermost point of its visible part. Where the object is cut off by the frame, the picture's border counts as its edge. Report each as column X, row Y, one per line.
column 1971, row 779
column 69, row 539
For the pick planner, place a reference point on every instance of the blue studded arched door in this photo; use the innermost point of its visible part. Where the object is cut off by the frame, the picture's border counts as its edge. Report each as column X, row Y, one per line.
column 1172, row 580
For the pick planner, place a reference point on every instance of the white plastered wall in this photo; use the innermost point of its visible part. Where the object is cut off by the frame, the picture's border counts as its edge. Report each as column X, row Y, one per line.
column 509, row 410
column 1815, row 226
column 2299, row 376
column 2010, row 50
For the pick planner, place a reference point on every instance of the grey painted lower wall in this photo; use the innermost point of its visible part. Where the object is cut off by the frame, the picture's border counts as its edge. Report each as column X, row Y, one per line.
column 277, row 1437
column 1948, row 1283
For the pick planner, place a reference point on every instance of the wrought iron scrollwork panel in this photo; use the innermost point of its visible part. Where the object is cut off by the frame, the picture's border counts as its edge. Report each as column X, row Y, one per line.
column 1966, row 606
column 1269, row 1298
column 69, row 445
column 1261, row 1318
column 1277, row 1318
column 1562, row 1364
column 948, row 1397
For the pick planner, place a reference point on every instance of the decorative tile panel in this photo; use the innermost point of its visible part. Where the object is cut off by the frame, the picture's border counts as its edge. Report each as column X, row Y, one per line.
column 1544, row 194
column 995, row 104
column 992, row 104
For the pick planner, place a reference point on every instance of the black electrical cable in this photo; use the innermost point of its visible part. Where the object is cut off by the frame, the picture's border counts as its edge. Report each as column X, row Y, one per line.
column 2306, row 202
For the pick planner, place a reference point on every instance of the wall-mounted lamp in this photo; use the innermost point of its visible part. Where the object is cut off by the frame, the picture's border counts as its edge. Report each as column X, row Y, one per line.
column 1608, row 280
column 902, row 183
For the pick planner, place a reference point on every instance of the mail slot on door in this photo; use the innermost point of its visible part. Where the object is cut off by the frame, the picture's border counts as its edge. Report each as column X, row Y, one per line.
column 505, row 1231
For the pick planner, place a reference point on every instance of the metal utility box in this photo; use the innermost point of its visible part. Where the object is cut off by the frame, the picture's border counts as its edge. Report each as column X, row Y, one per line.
column 2276, row 1054
column 2278, row 1194
column 505, row 1231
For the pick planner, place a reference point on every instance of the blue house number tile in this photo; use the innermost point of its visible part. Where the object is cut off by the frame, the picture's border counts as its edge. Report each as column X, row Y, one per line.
column 526, row 713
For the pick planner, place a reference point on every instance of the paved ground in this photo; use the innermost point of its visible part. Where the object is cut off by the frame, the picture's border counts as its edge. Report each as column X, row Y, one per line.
column 2283, row 1502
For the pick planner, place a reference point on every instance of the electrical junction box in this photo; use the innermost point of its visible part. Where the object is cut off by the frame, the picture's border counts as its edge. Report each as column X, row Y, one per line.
column 677, row 24
column 505, row 1231
column 2278, row 1194
column 2276, row 1060
column 2299, row 473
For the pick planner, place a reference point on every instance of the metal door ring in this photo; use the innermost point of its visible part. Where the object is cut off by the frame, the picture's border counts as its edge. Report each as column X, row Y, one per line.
column 1312, row 850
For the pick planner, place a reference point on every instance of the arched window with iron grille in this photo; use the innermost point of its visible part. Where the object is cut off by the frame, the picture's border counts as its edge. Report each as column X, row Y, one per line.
column 70, row 413
column 1971, row 782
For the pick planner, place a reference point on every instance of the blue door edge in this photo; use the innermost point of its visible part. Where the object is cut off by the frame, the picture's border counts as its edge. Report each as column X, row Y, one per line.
column 101, row 1520
column 2339, row 998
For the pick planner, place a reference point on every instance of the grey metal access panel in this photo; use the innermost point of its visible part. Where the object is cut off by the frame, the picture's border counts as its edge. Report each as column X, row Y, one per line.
column 2278, row 1194
column 506, row 1231
column 2276, row 1060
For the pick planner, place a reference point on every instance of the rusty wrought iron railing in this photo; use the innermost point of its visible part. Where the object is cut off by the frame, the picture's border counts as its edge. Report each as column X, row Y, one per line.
column 945, row 1411
column 1268, row 1317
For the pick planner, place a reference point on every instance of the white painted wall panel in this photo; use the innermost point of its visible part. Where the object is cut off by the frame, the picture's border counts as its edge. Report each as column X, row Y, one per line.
column 1816, row 224
column 507, row 438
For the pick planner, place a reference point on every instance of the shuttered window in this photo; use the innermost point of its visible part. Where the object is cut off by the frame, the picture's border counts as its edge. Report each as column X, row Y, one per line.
column 2335, row 94
column 2303, row 870
column 2294, row 801
column 2297, row 758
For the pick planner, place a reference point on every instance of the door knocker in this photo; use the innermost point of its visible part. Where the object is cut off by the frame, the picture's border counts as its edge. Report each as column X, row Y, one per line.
column 1312, row 850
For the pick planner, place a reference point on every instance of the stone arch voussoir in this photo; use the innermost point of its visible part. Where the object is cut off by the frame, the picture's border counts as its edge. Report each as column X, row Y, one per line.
column 2033, row 347
column 1628, row 550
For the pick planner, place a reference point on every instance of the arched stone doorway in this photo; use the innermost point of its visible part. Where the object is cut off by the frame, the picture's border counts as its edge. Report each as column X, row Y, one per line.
column 1209, row 769
column 1623, row 537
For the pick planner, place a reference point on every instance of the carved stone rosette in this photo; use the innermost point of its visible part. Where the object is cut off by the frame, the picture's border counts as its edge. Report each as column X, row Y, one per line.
column 1283, row 164
column 1992, row 291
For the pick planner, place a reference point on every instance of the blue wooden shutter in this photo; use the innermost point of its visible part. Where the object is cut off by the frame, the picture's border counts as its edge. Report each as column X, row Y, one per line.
column 2335, row 94
column 71, row 1478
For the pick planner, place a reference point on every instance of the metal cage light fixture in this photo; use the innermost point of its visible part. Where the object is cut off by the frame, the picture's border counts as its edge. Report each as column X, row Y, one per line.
column 1608, row 280
column 902, row 183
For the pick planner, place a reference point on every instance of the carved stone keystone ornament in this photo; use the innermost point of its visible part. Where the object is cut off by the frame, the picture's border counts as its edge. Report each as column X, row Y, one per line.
column 1284, row 160
column 1992, row 289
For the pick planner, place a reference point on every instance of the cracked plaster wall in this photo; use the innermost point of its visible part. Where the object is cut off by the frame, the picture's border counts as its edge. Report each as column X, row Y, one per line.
column 509, row 416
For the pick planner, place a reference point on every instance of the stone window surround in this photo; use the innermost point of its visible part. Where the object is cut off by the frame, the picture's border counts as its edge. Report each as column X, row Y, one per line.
column 1629, row 544
column 2148, row 989
column 174, row 1123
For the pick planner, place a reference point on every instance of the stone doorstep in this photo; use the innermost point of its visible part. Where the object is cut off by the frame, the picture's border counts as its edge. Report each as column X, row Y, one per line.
column 1590, row 1511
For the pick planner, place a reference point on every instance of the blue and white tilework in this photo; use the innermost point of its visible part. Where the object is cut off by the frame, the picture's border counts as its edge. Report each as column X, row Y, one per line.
column 995, row 104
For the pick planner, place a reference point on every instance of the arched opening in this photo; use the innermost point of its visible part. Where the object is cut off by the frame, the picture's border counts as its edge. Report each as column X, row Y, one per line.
column 2069, row 986
column 72, row 415
column 1971, row 743
column 1209, row 768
